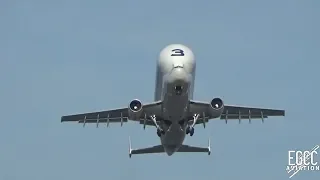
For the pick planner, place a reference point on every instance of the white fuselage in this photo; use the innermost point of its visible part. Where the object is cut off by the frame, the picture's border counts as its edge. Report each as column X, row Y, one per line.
column 174, row 87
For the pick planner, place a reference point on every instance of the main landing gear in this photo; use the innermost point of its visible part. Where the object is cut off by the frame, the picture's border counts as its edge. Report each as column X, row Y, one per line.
column 190, row 129
column 160, row 131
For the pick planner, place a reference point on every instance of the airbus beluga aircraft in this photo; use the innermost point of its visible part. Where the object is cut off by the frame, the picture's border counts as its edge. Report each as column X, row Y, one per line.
column 174, row 113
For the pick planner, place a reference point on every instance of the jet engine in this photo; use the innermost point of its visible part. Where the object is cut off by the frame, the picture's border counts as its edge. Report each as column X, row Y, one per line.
column 135, row 109
column 216, row 107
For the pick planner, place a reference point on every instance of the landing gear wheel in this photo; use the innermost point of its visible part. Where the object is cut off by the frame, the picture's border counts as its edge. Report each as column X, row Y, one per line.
column 190, row 130
column 160, row 132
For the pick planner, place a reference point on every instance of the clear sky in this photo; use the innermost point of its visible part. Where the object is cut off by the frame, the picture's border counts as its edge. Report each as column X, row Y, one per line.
column 63, row 57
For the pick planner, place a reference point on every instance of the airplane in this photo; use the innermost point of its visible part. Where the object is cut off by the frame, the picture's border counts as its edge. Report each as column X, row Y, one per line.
column 174, row 113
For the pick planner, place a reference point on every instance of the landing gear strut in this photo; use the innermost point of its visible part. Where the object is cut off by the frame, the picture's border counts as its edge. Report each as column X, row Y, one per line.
column 190, row 129
column 159, row 130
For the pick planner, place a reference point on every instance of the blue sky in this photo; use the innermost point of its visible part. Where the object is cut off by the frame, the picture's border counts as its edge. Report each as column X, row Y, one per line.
column 61, row 57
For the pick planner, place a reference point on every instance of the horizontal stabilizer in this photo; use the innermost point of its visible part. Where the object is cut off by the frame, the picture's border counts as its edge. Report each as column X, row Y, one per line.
column 187, row 148
column 148, row 150
column 160, row 149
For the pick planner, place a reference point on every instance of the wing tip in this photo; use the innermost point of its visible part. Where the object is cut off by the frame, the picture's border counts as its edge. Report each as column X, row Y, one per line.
column 62, row 119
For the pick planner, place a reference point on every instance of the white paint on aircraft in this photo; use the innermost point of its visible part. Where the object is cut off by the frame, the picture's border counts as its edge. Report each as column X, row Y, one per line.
column 174, row 113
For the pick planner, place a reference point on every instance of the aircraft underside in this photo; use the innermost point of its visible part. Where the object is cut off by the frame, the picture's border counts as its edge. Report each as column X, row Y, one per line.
column 174, row 113
column 172, row 132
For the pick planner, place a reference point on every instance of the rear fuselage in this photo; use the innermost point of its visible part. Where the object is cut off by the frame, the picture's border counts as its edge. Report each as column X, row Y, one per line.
column 174, row 87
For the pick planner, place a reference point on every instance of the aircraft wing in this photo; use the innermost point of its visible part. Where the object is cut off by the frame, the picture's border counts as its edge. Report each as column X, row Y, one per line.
column 118, row 115
column 242, row 112
column 232, row 112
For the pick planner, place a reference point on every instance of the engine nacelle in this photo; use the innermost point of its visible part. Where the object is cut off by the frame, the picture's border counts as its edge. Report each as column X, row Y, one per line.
column 135, row 109
column 216, row 107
